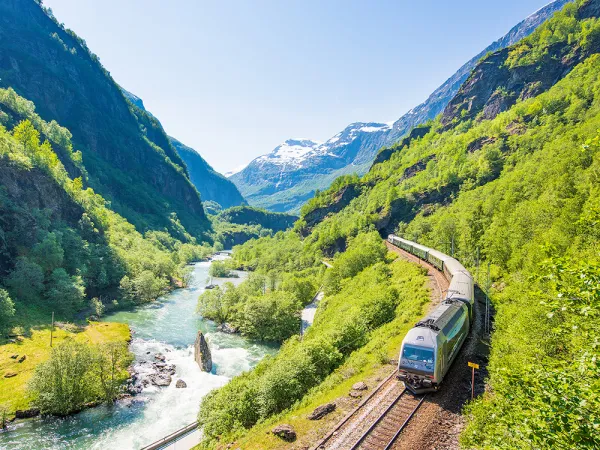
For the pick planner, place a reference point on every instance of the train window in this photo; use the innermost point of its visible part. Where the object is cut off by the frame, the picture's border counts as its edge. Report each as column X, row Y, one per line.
column 422, row 354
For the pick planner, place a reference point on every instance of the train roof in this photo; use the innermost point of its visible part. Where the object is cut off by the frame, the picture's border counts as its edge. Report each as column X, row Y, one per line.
column 442, row 315
column 421, row 337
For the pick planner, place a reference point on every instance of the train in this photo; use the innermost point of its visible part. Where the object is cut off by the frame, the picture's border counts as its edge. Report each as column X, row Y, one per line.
column 430, row 347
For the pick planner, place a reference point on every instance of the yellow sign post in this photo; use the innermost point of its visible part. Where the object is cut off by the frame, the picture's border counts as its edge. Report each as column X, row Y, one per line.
column 473, row 366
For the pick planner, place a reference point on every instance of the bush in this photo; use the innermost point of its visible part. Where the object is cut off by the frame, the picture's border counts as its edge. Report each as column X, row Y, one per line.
column 219, row 269
column 77, row 374
column 7, row 309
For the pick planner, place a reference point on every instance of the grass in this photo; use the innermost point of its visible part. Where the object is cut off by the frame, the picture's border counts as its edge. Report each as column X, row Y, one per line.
column 35, row 346
column 370, row 364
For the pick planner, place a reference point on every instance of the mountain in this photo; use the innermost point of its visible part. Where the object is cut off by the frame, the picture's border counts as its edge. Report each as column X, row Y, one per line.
column 288, row 176
column 284, row 184
column 128, row 156
column 507, row 179
column 211, row 184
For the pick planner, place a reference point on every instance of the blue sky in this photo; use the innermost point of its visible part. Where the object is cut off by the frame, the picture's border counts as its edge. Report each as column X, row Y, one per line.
column 234, row 79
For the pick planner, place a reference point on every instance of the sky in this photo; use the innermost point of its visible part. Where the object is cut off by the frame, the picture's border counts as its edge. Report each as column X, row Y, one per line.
column 233, row 79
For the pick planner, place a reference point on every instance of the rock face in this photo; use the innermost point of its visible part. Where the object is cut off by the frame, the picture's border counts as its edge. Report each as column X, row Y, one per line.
column 227, row 328
column 285, row 178
column 322, row 411
column 285, row 432
column 341, row 200
column 494, row 86
column 202, row 353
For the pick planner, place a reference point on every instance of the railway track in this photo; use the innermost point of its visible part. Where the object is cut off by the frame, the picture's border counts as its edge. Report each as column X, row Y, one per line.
column 377, row 422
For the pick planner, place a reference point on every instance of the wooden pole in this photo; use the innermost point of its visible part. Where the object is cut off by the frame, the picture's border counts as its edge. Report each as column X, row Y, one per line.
column 52, row 329
column 472, row 382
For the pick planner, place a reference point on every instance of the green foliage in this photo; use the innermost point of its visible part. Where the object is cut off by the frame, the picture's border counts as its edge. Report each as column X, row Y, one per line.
column 78, row 373
column 76, row 247
column 324, row 198
column 274, row 316
column 219, row 269
column 7, row 309
column 363, row 251
column 344, row 323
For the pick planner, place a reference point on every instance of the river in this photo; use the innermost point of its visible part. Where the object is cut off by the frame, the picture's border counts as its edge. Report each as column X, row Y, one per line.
column 168, row 326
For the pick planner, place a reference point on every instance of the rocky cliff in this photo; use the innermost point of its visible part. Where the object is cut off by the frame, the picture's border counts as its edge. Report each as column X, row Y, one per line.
column 522, row 71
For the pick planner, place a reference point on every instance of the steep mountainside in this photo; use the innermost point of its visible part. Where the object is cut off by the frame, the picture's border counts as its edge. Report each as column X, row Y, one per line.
column 211, row 184
column 128, row 155
column 284, row 184
column 288, row 176
column 516, row 194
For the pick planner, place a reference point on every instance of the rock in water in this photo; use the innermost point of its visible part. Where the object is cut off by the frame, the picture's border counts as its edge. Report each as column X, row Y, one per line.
column 285, row 432
column 180, row 384
column 202, row 353
column 321, row 411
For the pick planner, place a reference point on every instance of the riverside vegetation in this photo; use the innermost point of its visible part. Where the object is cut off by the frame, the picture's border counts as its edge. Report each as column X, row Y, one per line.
column 514, row 187
column 66, row 251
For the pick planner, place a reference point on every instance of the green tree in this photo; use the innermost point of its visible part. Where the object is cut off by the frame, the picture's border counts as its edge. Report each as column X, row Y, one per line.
column 62, row 384
column 49, row 253
column 111, row 362
column 26, row 134
column 26, row 281
column 65, row 292
column 7, row 309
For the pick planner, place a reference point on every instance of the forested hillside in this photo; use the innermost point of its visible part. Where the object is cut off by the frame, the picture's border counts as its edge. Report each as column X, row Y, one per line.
column 212, row 185
column 61, row 243
column 515, row 187
column 284, row 182
column 127, row 153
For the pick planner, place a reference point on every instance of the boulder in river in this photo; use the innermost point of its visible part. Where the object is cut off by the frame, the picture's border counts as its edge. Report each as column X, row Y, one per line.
column 227, row 328
column 26, row 413
column 160, row 357
column 161, row 379
column 322, row 411
column 285, row 432
column 202, row 353
column 180, row 384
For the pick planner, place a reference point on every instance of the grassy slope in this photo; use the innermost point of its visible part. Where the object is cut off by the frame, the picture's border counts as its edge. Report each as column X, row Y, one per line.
column 367, row 362
column 35, row 344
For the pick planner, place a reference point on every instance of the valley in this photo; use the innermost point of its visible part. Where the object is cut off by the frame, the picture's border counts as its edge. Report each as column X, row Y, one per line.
column 331, row 294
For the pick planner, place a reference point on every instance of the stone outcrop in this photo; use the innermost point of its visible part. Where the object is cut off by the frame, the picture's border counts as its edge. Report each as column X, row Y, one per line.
column 285, row 432
column 322, row 411
column 26, row 413
column 202, row 353
column 360, row 386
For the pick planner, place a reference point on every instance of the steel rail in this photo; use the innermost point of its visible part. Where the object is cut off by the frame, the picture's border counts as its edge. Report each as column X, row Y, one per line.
column 379, row 419
column 352, row 413
column 403, row 426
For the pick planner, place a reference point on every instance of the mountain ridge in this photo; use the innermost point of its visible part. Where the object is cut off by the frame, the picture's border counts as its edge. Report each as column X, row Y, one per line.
column 296, row 184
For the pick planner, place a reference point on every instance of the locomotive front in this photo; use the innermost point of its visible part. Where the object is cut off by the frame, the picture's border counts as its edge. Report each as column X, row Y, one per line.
column 418, row 364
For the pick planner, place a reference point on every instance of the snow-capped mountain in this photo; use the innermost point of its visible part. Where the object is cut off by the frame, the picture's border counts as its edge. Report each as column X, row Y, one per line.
column 288, row 176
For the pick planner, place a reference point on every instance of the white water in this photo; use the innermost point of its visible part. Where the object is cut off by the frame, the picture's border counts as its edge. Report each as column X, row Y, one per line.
column 168, row 326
